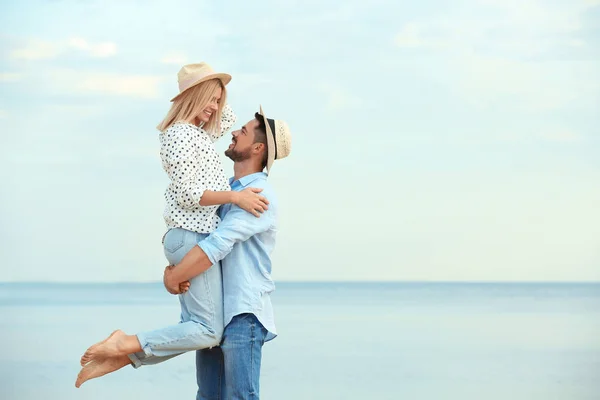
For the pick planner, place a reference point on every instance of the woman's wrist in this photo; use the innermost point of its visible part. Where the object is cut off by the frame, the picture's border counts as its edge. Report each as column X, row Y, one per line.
column 234, row 197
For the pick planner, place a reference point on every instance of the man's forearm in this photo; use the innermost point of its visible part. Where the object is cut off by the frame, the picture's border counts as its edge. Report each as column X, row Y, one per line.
column 193, row 264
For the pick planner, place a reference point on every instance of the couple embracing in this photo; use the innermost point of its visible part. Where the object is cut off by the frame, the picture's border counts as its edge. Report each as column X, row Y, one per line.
column 221, row 233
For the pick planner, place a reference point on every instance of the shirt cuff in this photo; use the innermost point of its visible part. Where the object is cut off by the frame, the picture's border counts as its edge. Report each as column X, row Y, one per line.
column 209, row 248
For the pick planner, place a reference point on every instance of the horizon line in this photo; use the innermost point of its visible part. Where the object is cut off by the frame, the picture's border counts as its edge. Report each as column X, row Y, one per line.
column 321, row 282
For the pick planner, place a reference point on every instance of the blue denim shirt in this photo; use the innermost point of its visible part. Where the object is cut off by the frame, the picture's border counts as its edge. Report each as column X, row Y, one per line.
column 244, row 243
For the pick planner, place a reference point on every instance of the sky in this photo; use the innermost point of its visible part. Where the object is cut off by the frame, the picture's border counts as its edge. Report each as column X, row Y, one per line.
column 431, row 141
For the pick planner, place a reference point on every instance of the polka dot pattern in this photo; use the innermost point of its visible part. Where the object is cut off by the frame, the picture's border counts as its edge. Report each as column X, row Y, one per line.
column 190, row 160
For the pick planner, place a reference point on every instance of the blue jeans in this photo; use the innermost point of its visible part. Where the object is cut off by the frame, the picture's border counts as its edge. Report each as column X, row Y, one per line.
column 201, row 324
column 232, row 371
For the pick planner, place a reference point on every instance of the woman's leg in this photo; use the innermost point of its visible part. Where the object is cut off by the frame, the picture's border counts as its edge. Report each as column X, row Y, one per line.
column 201, row 323
column 117, row 344
column 96, row 369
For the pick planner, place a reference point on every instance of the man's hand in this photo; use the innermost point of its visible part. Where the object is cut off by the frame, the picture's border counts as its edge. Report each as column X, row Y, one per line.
column 172, row 286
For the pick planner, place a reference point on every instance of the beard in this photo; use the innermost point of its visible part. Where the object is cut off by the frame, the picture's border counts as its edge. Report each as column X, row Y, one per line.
column 237, row 156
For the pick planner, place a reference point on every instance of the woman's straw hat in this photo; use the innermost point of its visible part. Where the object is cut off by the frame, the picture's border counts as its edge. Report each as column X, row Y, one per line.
column 193, row 74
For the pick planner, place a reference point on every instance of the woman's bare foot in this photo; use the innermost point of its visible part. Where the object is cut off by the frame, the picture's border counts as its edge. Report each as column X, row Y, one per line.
column 109, row 347
column 98, row 368
column 85, row 361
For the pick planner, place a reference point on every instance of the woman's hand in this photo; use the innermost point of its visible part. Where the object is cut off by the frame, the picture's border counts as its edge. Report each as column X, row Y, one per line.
column 251, row 201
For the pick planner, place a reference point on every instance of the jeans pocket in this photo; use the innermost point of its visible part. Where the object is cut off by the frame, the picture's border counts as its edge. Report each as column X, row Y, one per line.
column 174, row 240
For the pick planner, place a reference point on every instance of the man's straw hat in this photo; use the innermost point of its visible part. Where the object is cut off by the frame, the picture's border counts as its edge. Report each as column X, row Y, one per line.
column 279, row 139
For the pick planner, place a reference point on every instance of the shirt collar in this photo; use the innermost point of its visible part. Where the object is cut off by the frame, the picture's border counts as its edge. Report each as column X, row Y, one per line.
column 248, row 179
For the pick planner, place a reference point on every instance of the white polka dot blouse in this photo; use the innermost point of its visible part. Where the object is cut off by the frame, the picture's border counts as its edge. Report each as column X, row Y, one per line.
column 190, row 160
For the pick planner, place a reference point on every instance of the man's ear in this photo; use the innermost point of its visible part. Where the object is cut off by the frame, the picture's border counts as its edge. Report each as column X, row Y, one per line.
column 259, row 148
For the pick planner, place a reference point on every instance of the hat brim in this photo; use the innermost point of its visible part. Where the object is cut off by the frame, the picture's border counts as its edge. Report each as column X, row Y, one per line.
column 270, row 142
column 224, row 78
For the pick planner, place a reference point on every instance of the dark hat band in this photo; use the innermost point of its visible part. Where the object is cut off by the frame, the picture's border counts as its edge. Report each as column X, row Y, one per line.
column 272, row 126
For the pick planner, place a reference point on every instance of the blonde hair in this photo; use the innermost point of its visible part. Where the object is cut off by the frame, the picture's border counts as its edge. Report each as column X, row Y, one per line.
column 192, row 102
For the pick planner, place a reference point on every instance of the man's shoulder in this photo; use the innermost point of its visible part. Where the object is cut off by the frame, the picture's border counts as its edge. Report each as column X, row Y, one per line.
column 262, row 182
column 257, row 180
column 267, row 189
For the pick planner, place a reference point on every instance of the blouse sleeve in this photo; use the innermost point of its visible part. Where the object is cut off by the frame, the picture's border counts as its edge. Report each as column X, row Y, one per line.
column 228, row 119
column 183, row 165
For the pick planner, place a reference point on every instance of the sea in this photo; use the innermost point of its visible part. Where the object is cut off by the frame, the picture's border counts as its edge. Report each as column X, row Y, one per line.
column 359, row 340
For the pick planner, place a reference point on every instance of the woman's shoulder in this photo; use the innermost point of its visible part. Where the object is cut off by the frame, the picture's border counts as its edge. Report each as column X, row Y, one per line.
column 180, row 128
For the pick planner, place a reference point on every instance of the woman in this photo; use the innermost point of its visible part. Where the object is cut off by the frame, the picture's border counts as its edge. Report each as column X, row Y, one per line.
column 198, row 186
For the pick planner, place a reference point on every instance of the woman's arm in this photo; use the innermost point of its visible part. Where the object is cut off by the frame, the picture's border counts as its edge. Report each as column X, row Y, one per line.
column 183, row 170
column 228, row 119
column 248, row 200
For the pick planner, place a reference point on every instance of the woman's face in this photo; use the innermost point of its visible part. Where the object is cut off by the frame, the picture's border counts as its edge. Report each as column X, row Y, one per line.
column 211, row 107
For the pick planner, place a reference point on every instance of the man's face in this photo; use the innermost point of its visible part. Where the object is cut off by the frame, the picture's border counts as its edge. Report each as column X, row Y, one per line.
column 242, row 142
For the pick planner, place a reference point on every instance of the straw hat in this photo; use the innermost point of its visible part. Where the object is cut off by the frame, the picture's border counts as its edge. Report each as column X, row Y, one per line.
column 193, row 74
column 279, row 139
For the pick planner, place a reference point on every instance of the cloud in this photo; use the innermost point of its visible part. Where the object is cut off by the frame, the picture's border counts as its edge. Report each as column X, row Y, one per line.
column 10, row 77
column 339, row 99
column 415, row 35
column 68, row 110
column 175, row 59
column 37, row 49
column 523, row 52
column 533, row 16
column 576, row 43
column 509, row 27
column 140, row 86
column 548, row 134
column 530, row 86
column 248, row 80
column 100, row 50
column 409, row 36
column 560, row 136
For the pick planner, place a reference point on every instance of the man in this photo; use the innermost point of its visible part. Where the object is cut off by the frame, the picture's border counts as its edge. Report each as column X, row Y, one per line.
column 243, row 244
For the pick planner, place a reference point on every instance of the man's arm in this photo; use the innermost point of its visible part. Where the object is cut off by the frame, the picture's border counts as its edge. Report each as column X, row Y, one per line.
column 237, row 226
column 192, row 264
